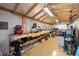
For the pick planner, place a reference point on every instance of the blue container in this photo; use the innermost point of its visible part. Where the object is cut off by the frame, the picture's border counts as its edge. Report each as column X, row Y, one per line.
column 77, row 52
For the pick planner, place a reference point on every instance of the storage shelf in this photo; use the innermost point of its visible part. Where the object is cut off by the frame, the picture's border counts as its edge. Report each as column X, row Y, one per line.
column 29, row 44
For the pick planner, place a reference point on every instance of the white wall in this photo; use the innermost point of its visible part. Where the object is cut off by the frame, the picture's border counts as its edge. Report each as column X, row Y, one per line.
column 4, row 34
column 12, row 21
column 29, row 24
column 60, row 26
column 74, row 24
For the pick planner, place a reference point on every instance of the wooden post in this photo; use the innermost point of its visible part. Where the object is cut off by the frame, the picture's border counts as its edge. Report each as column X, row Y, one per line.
column 24, row 24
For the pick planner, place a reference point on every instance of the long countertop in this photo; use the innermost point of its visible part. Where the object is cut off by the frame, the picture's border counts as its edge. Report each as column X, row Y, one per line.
column 15, row 37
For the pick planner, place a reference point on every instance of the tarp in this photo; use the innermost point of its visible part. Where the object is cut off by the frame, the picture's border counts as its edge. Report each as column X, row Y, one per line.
column 77, row 52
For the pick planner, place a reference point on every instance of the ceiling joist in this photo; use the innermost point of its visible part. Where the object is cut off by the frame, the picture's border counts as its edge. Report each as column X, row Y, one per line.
column 56, row 4
column 40, row 21
column 31, row 9
column 37, row 13
column 61, row 11
column 45, row 18
column 20, row 14
column 16, row 7
column 41, row 16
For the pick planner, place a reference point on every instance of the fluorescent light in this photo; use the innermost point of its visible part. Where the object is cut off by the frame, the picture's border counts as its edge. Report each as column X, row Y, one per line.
column 57, row 20
column 48, row 11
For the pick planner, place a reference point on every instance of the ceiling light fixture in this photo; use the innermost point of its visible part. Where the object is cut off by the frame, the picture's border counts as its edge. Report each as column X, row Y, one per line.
column 48, row 11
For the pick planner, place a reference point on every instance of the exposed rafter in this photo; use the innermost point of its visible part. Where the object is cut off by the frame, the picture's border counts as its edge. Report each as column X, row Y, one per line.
column 41, row 16
column 75, row 18
column 20, row 14
column 16, row 7
column 44, row 18
column 55, row 15
column 40, row 21
column 59, row 10
column 56, row 4
column 37, row 13
column 43, row 22
column 31, row 9
column 5, row 9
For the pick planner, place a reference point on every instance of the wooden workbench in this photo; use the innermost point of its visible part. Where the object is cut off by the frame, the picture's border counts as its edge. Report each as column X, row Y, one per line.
column 16, row 37
column 24, row 45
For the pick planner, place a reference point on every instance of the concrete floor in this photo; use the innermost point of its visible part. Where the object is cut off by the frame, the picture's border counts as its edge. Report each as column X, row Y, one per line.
column 46, row 48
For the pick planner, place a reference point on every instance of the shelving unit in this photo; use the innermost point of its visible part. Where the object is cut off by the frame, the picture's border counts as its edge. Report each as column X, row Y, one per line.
column 34, row 38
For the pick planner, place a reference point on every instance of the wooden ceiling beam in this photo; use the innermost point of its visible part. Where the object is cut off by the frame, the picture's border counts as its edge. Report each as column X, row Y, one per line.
column 45, row 18
column 65, row 16
column 53, row 12
column 55, row 15
column 75, row 17
column 30, row 9
column 5, row 9
column 19, row 14
column 40, row 20
column 16, row 7
column 41, row 16
column 38, row 13
column 57, row 4
column 65, row 11
column 11, row 11
column 49, row 21
column 45, row 22
column 65, row 8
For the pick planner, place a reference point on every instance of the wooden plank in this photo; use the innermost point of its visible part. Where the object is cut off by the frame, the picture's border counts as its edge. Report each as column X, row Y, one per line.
column 16, row 7
column 42, row 21
column 75, row 18
column 55, row 15
column 38, row 13
column 45, row 22
column 31, row 9
column 19, row 14
column 41, row 16
column 66, row 8
column 39, row 20
column 17, row 37
column 49, row 20
column 11, row 11
column 5, row 9
column 57, row 4
column 45, row 18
